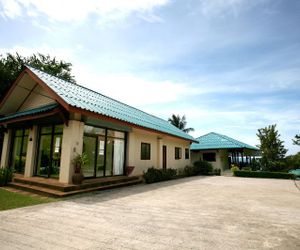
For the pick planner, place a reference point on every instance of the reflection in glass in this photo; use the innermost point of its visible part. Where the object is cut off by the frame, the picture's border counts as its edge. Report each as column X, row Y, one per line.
column 89, row 147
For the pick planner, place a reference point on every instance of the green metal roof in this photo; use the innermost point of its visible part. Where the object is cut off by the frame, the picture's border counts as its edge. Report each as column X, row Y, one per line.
column 86, row 99
column 217, row 141
column 30, row 112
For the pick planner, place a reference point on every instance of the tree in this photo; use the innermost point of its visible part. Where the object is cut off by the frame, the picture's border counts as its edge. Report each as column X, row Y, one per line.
column 12, row 65
column 180, row 122
column 271, row 147
column 296, row 141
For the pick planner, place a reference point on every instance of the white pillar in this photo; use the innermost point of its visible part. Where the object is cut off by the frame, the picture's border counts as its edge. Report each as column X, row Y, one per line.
column 31, row 152
column 6, row 149
column 71, row 146
column 159, row 152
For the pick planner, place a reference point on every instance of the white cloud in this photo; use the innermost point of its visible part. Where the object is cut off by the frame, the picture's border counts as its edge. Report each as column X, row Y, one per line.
column 70, row 10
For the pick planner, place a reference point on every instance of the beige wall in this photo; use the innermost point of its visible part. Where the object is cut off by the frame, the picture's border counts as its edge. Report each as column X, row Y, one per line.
column 156, row 140
column 71, row 146
column 221, row 158
column 5, row 149
column 37, row 98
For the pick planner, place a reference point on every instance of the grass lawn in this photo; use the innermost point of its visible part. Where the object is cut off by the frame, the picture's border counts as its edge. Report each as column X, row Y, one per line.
column 9, row 200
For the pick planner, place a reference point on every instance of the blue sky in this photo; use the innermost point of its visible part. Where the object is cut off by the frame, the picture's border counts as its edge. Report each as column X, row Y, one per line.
column 231, row 66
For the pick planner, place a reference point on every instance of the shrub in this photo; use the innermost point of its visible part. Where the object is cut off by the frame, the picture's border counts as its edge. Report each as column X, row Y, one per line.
column 263, row 174
column 247, row 168
column 234, row 168
column 203, row 167
column 155, row 175
column 6, row 175
column 256, row 165
column 217, row 171
column 189, row 171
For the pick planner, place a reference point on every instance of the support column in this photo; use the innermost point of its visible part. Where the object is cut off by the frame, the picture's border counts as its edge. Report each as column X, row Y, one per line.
column 6, row 149
column 159, row 152
column 71, row 146
column 31, row 152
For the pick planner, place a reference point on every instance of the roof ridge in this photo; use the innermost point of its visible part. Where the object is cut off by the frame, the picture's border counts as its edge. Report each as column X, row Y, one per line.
column 94, row 91
column 121, row 108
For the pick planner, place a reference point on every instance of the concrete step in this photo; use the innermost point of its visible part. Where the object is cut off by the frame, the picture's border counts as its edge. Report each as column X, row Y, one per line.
column 60, row 194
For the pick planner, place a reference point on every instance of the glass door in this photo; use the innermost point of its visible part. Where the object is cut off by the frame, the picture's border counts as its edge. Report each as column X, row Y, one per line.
column 49, row 151
column 89, row 147
column 100, row 156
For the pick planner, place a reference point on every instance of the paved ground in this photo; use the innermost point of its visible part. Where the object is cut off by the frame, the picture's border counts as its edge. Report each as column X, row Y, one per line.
column 191, row 213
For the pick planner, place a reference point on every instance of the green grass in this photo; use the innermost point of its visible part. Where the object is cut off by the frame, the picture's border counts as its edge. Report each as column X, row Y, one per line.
column 10, row 200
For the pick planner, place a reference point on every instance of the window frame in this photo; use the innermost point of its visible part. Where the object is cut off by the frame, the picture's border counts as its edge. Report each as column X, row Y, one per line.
column 210, row 154
column 187, row 153
column 145, row 156
column 178, row 153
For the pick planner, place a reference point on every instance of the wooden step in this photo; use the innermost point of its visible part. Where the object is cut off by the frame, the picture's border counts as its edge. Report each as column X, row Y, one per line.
column 70, row 187
column 60, row 194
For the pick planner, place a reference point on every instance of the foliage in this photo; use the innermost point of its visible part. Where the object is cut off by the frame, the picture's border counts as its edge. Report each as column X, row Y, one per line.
column 6, row 175
column 292, row 161
column 255, row 165
column 234, row 168
column 155, row 175
column 271, row 147
column 263, row 174
column 296, row 141
column 9, row 200
column 180, row 122
column 203, row 167
column 247, row 168
column 217, row 171
column 12, row 65
column 189, row 171
column 79, row 161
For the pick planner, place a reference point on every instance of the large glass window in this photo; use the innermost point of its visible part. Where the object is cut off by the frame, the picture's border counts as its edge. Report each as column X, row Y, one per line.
column 49, row 151
column 105, row 150
column 19, row 150
column 211, row 157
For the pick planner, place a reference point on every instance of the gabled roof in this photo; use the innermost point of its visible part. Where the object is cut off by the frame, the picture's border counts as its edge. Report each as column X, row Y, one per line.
column 217, row 141
column 73, row 95
column 34, row 111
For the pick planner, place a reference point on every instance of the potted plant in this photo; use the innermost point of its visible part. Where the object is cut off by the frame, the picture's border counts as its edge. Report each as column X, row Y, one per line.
column 79, row 161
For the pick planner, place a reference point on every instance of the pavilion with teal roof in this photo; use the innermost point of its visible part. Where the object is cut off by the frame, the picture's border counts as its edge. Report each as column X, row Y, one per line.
column 222, row 150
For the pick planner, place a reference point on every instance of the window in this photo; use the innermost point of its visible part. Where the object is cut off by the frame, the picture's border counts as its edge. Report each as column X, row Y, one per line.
column 187, row 153
column 209, row 156
column 145, row 151
column 19, row 150
column 178, row 153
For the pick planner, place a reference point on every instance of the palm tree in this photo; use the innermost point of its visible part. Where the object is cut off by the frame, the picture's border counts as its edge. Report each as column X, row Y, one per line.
column 180, row 122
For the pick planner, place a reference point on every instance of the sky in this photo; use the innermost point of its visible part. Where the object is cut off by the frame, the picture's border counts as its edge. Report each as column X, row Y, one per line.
column 229, row 66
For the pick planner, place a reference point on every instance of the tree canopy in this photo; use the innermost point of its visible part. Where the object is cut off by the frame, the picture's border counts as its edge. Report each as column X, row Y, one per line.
column 296, row 140
column 180, row 122
column 271, row 147
column 12, row 65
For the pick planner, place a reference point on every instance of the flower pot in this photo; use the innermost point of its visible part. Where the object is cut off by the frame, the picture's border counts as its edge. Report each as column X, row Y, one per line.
column 129, row 170
column 77, row 178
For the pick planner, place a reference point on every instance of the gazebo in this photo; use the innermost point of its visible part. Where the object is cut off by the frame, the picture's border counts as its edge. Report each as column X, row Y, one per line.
column 222, row 151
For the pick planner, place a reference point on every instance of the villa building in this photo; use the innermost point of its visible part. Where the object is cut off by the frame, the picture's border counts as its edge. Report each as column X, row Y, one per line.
column 48, row 121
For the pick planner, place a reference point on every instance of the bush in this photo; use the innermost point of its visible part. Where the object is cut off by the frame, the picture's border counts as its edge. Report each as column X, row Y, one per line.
column 234, row 168
column 6, row 175
column 189, row 171
column 247, row 168
column 263, row 174
column 217, row 171
column 256, row 165
column 203, row 167
column 155, row 175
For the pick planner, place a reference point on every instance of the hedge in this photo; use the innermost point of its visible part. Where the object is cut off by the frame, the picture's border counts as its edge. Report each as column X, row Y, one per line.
column 263, row 174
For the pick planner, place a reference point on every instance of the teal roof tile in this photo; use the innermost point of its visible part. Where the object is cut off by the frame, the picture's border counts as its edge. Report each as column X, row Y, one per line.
column 217, row 141
column 38, row 110
column 81, row 97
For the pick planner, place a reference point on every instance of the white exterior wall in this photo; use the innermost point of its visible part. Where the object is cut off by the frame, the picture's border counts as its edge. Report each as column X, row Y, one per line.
column 71, row 146
column 5, row 149
column 31, row 152
column 156, row 140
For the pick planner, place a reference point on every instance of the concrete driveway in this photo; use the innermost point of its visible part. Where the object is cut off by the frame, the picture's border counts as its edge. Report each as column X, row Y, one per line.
column 190, row 213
